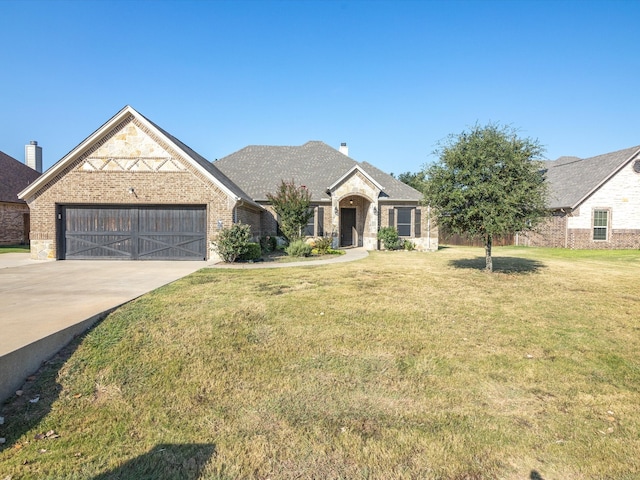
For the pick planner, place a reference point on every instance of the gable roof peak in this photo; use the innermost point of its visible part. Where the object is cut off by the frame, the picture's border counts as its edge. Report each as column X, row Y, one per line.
column 197, row 161
column 572, row 180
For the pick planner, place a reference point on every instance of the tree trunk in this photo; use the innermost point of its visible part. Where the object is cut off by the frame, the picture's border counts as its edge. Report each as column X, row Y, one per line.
column 487, row 250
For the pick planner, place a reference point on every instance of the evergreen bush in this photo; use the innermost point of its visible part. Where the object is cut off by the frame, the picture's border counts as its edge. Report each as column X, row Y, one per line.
column 232, row 242
column 323, row 244
column 389, row 238
column 254, row 252
column 299, row 248
column 268, row 243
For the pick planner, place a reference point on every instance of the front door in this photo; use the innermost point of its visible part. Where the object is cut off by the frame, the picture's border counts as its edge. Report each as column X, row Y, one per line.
column 347, row 226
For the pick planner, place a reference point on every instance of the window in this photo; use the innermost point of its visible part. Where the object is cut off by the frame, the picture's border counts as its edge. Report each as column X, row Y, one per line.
column 309, row 230
column 601, row 224
column 404, row 222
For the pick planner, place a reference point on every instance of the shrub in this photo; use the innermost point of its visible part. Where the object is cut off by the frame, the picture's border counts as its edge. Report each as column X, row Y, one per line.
column 233, row 242
column 389, row 238
column 323, row 244
column 293, row 206
column 330, row 251
column 254, row 252
column 299, row 248
column 409, row 245
column 268, row 243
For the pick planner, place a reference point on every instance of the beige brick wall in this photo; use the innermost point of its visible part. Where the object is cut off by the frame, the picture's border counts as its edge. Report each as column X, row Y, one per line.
column 12, row 223
column 107, row 172
column 554, row 233
column 250, row 216
column 550, row 233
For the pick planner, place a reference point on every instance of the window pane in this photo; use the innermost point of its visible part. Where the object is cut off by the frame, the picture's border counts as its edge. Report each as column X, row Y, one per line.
column 309, row 230
column 404, row 222
column 404, row 215
column 599, row 233
column 599, row 218
column 600, row 224
column 320, row 221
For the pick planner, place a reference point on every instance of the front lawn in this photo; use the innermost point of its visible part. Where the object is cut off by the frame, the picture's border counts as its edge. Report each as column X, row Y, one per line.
column 14, row 249
column 402, row 365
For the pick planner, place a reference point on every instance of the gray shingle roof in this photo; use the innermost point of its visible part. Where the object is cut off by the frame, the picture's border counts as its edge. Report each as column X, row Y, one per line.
column 14, row 177
column 259, row 169
column 206, row 164
column 572, row 179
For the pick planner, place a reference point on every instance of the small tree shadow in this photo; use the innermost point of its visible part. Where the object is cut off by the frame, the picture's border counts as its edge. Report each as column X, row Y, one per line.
column 509, row 265
column 38, row 393
column 165, row 462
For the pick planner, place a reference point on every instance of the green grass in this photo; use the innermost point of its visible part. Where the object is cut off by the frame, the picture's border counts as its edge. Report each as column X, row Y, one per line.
column 14, row 249
column 402, row 365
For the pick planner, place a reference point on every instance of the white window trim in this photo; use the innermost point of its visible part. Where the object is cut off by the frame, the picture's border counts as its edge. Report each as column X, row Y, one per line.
column 607, row 227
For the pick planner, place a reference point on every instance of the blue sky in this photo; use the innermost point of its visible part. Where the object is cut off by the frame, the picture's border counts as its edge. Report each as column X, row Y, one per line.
column 390, row 78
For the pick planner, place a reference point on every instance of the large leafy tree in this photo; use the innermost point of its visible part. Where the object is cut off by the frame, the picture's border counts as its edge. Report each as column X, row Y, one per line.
column 415, row 180
column 293, row 205
column 487, row 183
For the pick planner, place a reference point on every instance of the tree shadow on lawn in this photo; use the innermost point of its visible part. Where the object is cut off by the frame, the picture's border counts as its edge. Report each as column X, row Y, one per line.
column 165, row 462
column 509, row 265
column 24, row 412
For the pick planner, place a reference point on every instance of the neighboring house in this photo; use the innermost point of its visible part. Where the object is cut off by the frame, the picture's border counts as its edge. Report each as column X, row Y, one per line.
column 14, row 212
column 133, row 191
column 595, row 203
column 351, row 200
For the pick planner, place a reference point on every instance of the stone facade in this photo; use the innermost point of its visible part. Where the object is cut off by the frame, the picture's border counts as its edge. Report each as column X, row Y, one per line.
column 358, row 192
column 128, row 166
column 14, row 218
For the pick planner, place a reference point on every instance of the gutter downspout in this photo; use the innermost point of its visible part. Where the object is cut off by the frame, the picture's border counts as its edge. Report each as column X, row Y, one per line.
column 428, row 227
column 235, row 209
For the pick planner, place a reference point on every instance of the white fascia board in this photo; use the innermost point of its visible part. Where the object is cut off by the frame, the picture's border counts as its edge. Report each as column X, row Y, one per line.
column 69, row 157
column 613, row 173
column 350, row 171
column 127, row 110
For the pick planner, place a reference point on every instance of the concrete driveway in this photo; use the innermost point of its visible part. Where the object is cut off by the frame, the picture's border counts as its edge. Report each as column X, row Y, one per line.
column 44, row 304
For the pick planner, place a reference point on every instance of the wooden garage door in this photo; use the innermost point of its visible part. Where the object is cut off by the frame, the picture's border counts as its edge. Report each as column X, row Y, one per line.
column 133, row 232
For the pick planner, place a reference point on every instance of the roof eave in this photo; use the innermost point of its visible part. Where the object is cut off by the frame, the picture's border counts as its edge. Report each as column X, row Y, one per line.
column 350, row 171
column 606, row 179
column 60, row 164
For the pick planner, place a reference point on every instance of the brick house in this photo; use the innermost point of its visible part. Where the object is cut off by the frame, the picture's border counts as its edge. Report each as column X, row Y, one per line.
column 133, row 191
column 14, row 212
column 351, row 200
column 595, row 203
